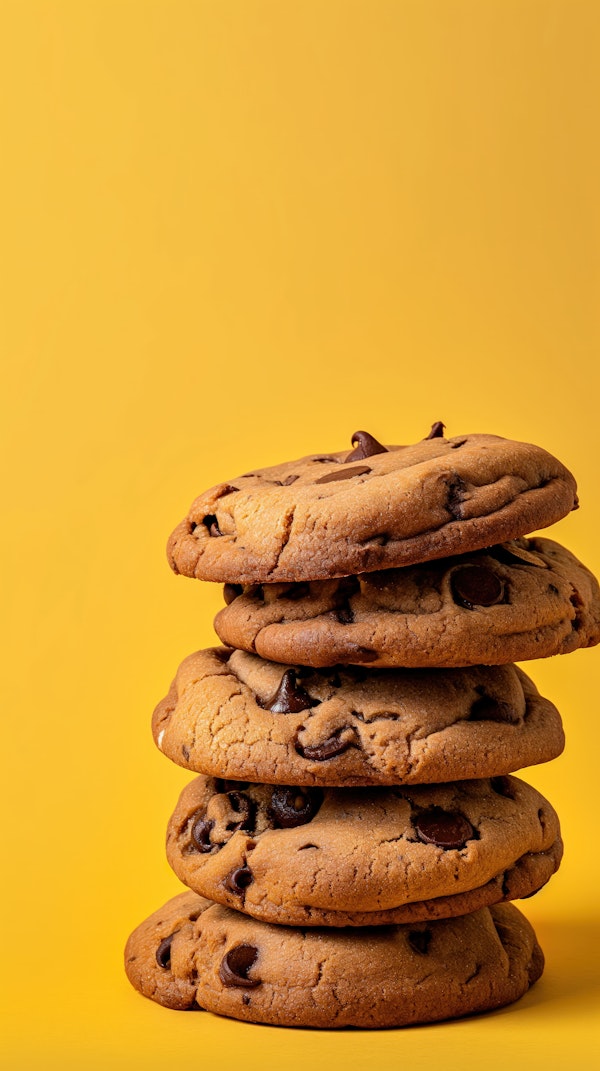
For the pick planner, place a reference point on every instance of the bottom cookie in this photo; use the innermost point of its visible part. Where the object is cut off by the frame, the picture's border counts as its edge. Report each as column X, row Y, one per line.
column 195, row 954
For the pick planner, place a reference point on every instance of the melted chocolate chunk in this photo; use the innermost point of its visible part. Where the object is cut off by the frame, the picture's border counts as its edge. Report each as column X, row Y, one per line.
column 476, row 585
column 200, row 833
column 239, row 879
column 295, row 806
column 344, row 474
column 163, row 952
column 503, row 786
column 366, row 446
column 488, row 709
column 437, row 431
column 445, row 829
column 211, row 522
column 328, row 749
column 231, row 592
column 289, row 698
column 419, row 941
column 235, row 966
column 289, row 480
column 244, row 807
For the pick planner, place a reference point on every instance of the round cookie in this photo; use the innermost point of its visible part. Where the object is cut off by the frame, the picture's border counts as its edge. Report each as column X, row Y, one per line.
column 373, row 507
column 529, row 598
column 343, row 857
column 191, row 955
column 232, row 714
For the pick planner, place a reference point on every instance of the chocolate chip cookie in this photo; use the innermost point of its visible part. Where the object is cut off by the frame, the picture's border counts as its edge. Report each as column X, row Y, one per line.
column 528, row 598
column 190, row 954
column 342, row 857
column 371, row 508
column 232, row 714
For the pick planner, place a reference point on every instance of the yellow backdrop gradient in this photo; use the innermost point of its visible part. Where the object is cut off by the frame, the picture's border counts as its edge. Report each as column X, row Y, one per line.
column 234, row 232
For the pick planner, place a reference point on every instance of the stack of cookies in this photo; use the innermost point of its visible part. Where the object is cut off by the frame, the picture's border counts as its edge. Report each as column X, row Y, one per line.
column 356, row 832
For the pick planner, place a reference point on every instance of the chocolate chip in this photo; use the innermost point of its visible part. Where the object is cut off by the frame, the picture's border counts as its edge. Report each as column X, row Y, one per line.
column 328, row 749
column 200, row 833
column 246, row 808
column 488, row 709
column 503, row 786
column 231, row 592
column 235, row 966
column 287, row 482
column 225, row 785
column 445, row 829
column 295, row 806
column 437, row 431
column 345, row 615
column 163, row 952
column 228, row 489
column 211, row 522
column 552, row 589
column 367, row 446
column 456, row 445
column 476, row 585
column 324, row 460
column 239, row 879
column 419, row 941
column 344, row 474
column 295, row 592
column 456, row 493
column 185, row 752
column 289, row 697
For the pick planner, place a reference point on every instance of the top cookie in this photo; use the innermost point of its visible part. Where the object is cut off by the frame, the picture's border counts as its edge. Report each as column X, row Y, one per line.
column 373, row 507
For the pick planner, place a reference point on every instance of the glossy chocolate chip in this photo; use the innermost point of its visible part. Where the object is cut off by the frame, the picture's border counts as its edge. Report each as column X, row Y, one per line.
column 344, row 474
column 211, row 522
column 239, row 879
column 488, row 709
column 367, row 446
column 246, row 809
column 437, row 431
column 419, row 941
column 235, row 966
column 231, row 592
column 163, row 952
column 289, row 697
column 328, row 749
column 503, row 786
column 476, row 585
column 445, row 829
column 200, row 833
column 295, row 806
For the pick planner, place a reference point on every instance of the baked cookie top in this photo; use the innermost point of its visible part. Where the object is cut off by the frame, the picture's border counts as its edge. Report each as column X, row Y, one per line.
column 528, row 598
column 190, row 954
column 373, row 507
column 323, row 857
column 232, row 714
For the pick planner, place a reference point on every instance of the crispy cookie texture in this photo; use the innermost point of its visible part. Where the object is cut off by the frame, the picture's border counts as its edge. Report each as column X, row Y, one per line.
column 342, row 857
column 524, row 599
column 375, row 507
column 386, row 976
column 234, row 715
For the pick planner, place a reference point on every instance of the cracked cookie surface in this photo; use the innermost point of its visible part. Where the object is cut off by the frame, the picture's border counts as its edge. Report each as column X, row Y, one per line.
column 529, row 598
column 190, row 954
column 342, row 857
column 232, row 714
column 370, row 508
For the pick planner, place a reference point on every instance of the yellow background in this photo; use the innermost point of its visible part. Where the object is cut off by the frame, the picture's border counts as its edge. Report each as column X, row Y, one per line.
column 233, row 232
